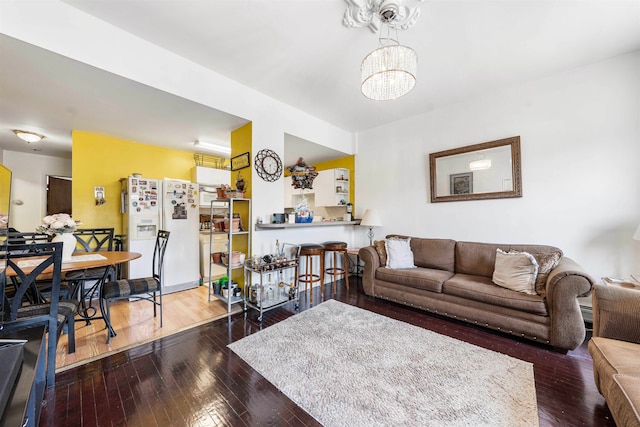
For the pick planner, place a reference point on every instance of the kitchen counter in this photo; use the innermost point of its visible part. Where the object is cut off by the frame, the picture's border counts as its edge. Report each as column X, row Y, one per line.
column 305, row 224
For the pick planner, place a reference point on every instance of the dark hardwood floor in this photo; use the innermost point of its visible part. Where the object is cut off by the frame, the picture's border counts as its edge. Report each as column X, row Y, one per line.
column 192, row 379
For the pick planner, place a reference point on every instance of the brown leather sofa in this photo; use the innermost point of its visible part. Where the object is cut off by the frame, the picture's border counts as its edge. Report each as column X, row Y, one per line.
column 615, row 350
column 454, row 279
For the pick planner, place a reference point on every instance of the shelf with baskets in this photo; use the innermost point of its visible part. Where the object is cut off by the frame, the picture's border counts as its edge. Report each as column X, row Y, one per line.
column 236, row 226
column 277, row 290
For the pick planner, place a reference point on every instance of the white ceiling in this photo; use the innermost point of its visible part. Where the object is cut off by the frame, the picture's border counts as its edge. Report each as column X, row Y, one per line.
column 298, row 51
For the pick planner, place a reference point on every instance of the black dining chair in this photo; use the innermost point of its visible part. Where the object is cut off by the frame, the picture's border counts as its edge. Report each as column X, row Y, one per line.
column 89, row 240
column 145, row 288
column 41, row 288
column 28, row 261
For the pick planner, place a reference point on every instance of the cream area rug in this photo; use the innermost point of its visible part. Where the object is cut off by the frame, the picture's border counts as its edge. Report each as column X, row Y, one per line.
column 350, row 367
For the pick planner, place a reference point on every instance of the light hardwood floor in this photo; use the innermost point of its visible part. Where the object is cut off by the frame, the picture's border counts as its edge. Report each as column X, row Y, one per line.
column 134, row 323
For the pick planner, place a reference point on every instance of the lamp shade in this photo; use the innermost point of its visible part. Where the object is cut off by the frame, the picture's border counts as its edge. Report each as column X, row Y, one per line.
column 636, row 235
column 371, row 219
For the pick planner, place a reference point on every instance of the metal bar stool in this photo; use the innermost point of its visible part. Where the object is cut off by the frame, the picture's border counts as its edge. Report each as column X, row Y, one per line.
column 308, row 251
column 336, row 248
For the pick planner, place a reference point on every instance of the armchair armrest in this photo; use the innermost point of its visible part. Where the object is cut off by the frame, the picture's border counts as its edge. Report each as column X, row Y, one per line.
column 616, row 313
column 371, row 260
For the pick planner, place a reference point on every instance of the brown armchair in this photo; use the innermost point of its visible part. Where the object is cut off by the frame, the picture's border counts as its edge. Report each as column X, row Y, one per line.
column 615, row 350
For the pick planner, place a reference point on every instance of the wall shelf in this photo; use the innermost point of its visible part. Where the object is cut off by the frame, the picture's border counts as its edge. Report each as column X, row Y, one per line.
column 305, row 224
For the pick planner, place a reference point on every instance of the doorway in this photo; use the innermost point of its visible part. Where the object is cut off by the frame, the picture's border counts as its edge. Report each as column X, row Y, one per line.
column 58, row 195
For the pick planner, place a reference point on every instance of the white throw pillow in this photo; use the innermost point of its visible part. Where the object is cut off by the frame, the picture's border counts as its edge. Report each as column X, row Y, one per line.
column 399, row 254
column 516, row 271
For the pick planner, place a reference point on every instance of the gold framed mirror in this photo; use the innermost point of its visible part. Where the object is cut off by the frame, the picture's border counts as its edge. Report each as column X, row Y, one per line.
column 490, row 170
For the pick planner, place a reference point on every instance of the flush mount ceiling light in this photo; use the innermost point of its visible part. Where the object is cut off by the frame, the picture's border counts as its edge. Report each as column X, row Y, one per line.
column 29, row 137
column 209, row 146
column 481, row 164
column 388, row 72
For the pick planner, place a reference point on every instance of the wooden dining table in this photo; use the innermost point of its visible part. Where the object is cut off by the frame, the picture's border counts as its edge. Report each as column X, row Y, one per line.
column 81, row 261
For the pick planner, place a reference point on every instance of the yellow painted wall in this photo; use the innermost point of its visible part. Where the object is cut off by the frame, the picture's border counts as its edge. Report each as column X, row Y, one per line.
column 5, row 190
column 100, row 160
column 241, row 140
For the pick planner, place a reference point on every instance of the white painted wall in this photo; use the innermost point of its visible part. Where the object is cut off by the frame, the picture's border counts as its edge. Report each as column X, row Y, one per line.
column 29, row 185
column 580, row 137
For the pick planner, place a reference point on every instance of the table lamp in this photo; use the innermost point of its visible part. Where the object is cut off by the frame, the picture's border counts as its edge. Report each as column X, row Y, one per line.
column 371, row 219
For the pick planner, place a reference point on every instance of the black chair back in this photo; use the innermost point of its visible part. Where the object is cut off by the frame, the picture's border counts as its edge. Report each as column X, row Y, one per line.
column 94, row 239
column 158, row 255
column 28, row 262
column 28, row 269
column 145, row 288
column 28, row 238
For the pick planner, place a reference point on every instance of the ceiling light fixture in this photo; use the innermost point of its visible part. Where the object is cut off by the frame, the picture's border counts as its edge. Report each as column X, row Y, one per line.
column 209, row 146
column 29, row 137
column 478, row 165
column 388, row 72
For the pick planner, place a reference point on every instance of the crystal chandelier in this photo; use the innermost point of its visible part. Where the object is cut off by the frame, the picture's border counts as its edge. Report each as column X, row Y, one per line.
column 389, row 72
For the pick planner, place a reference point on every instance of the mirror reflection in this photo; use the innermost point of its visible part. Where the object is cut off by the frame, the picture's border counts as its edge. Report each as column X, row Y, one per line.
column 482, row 171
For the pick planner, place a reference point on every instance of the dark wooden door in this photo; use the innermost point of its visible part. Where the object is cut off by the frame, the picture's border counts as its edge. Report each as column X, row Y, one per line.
column 58, row 195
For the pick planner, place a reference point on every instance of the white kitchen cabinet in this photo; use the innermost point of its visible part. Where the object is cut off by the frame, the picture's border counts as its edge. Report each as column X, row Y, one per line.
column 211, row 176
column 323, row 187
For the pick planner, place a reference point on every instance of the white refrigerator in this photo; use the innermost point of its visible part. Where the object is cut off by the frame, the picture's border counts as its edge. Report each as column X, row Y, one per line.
column 150, row 205
column 181, row 217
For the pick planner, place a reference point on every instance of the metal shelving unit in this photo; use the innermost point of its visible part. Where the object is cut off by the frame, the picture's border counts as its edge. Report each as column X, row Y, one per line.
column 231, row 208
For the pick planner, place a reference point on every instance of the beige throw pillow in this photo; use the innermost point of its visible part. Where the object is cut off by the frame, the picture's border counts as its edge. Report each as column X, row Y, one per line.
column 516, row 271
column 399, row 254
column 382, row 252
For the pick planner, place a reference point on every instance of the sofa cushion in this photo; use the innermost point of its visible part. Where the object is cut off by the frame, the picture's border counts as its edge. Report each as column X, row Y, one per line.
column 516, row 271
column 617, row 374
column 615, row 356
column 419, row 278
column 624, row 400
column 432, row 253
column 479, row 288
column 399, row 254
column 477, row 259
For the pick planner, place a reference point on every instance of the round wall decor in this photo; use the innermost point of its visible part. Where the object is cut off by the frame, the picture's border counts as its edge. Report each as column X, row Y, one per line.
column 268, row 165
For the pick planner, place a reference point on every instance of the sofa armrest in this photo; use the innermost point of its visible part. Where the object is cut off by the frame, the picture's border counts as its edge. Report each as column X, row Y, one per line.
column 371, row 260
column 616, row 313
column 565, row 284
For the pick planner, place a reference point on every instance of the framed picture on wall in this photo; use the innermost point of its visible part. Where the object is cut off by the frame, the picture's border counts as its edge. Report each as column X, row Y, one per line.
column 240, row 162
column 461, row 183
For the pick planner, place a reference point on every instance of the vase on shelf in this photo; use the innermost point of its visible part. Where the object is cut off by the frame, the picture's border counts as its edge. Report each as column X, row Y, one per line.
column 68, row 244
